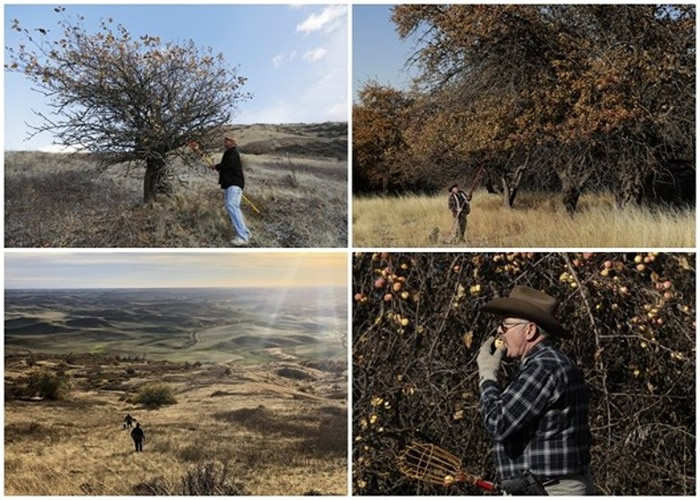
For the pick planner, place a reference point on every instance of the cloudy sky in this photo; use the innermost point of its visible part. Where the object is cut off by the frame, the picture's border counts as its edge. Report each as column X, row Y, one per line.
column 294, row 56
column 171, row 270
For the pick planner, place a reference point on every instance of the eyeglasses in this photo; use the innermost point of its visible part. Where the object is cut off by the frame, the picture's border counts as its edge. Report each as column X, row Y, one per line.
column 504, row 327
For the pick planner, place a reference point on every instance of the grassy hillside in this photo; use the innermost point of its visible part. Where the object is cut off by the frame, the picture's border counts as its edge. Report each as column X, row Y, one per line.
column 536, row 221
column 277, row 428
column 245, row 325
column 296, row 175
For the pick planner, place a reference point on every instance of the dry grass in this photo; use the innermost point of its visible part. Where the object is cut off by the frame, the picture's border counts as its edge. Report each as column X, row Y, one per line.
column 536, row 221
column 60, row 201
column 78, row 446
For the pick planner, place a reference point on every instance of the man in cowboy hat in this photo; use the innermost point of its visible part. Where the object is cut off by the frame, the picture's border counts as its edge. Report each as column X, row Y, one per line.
column 232, row 182
column 539, row 422
column 458, row 203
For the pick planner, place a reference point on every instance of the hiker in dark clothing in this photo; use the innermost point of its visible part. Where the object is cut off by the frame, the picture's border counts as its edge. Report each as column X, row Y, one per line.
column 138, row 436
column 128, row 421
column 458, row 204
column 232, row 182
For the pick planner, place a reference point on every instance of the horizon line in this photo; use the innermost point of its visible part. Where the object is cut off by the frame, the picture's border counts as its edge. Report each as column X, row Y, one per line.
column 7, row 150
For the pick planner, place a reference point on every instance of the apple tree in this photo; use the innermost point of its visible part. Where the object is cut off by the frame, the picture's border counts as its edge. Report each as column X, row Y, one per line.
column 379, row 119
column 133, row 101
column 599, row 94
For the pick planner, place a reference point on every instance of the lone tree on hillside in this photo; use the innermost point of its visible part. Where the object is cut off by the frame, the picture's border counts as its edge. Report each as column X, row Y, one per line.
column 133, row 101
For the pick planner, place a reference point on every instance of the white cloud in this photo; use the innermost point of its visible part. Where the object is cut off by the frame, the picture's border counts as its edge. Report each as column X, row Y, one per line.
column 319, row 91
column 314, row 55
column 328, row 20
column 284, row 58
column 278, row 60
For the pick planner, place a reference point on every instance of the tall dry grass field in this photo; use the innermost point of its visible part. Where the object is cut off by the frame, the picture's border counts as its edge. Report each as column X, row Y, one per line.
column 258, row 430
column 537, row 220
column 296, row 176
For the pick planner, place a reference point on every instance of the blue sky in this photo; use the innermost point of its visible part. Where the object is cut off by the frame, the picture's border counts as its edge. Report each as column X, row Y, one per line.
column 295, row 57
column 377, row 51
column 171, row 270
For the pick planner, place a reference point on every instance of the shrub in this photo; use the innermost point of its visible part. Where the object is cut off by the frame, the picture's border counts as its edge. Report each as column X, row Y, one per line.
column 155, row 396
column 45, row 385
column 294, row 374
column 153, row 487
column 210, row 479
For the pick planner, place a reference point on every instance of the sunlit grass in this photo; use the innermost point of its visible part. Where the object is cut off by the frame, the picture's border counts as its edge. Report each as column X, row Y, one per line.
column 537, row 220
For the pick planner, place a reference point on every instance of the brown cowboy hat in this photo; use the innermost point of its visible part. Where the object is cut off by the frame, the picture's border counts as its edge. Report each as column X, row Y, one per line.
column 527, row 303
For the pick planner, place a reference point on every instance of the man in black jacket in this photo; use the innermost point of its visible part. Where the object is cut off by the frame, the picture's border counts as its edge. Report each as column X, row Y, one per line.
column 138, row 436
column 458, row 203
column 232, row 182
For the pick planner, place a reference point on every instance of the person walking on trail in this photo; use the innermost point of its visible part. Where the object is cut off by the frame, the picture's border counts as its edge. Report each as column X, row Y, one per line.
column 138, row 436
column 232, row 182
column 458, row 203
column 128, row 421
column 539, row 422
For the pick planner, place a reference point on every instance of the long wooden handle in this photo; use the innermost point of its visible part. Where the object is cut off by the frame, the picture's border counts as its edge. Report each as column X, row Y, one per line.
column 476, row 180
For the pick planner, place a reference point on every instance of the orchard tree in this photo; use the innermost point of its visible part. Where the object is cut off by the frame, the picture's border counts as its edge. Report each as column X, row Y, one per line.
column 378, row 121
column 581, row 92
column 134, row 101
column 480, row 60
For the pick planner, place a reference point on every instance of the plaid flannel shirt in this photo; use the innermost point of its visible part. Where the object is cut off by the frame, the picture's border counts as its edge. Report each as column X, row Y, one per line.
column 540, row 421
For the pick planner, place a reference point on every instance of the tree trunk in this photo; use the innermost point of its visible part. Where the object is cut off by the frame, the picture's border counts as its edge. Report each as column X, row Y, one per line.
column 571, row 187
column 630, row 189
column 155, row 181
column 507, row 199
column 490, row 188
column 573, row 178
column 572, row 192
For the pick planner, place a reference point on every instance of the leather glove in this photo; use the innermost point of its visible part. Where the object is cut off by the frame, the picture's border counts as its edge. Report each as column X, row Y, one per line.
column 489, row 363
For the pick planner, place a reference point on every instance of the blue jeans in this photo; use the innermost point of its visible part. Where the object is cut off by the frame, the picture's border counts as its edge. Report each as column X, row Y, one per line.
column 232, row 200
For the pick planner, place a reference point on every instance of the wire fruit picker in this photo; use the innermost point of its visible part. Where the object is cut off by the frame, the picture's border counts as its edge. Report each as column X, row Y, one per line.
column 432, row 464
column 210, row 161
